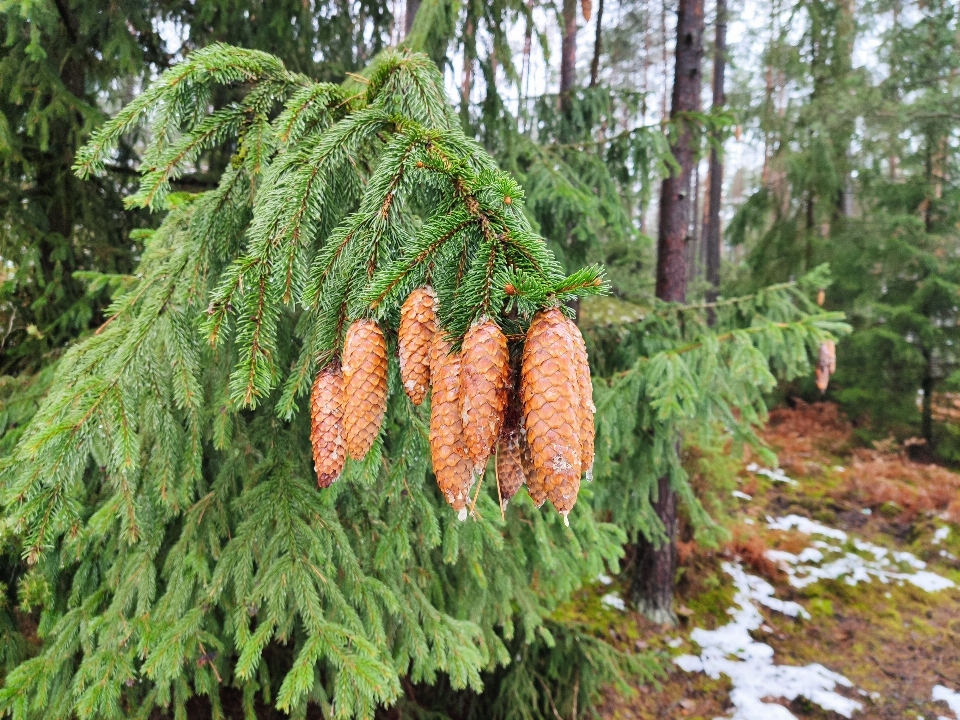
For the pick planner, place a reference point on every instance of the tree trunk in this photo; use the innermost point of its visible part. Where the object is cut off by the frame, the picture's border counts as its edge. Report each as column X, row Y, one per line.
column 712, row 239
column 568, row 53
column 655, row 566
column 675, row 195
column 597, row 47
column 410, row 15
column 466, row 82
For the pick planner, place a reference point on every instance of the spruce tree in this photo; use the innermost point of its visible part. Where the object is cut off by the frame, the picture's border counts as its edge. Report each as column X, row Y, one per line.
column 163, row 494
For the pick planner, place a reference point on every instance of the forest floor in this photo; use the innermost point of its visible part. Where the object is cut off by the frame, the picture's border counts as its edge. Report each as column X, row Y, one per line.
column 837, row 593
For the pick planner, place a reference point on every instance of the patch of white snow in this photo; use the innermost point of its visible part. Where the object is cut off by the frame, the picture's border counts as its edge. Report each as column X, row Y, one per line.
column 615, row 601
column 951, row 698
column 741, row 495
column 777, row 475
column 830, row 562
column 941, row 534
column 806, row 526
column 730, row 650
column 604, row 579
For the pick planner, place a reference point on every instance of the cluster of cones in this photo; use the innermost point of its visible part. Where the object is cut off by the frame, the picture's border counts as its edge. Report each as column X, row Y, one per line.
column 539, row 430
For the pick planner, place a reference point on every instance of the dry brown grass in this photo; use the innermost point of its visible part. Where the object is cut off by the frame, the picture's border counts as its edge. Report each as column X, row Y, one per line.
column 808, row 437
column 749, row 547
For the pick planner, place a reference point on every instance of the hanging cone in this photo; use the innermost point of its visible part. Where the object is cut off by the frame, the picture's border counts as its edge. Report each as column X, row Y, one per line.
column 536, row 487
column 451, row 464
column 510, row 475
column 549, row 393
column 586, row 409
column 365, row 386
column 326, row 425
column 484, row 381
column 827, row 364
column 418, row 324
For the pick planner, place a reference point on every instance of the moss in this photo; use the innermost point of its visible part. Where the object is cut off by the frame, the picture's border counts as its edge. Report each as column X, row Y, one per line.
column 890, row 509
column 821, row 608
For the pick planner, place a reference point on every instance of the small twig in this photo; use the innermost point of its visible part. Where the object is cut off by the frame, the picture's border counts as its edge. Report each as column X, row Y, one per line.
column 13, row 316
column 473, row 505
column 496, row 474
column 553, row 706
column 359, row 78
column 576, row 691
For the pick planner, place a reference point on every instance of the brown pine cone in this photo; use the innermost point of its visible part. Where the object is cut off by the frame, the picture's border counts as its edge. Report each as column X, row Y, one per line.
column 586, row 409
column 549, row 392
column 418, row 324
column 484, row 381
column 536, row 487
column 326, row 425
column 451, row 464
column 365, row 386
column 510, row 474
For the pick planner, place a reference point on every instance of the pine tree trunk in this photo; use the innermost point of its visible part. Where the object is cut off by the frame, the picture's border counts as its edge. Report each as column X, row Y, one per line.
column 597, row 47
column 675, row 194
column 655, row 566
column 410, row 15
column 568, row 53
column 466, row 83
column 712, row 239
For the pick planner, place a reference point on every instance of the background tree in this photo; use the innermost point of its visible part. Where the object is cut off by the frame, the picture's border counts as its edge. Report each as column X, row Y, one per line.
column 655, row 566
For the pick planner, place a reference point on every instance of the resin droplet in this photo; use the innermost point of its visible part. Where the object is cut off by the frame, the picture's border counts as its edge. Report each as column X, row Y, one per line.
column 462, row 515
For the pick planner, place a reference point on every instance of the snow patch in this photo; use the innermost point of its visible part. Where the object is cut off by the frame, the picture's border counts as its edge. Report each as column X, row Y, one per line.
column 615, row 601
column 730, row 650
column 777, row 475
column 940, row 535
column 806, row 526
column 830, row 562
column 951, row 698
column 604, row 579
column 741, row 495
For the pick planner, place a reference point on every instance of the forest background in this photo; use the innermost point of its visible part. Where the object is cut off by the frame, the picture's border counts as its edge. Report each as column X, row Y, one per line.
column 821, row 158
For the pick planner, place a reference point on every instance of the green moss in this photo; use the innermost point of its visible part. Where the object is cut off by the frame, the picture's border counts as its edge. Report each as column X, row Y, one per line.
column 821, row 608
column 891, row 509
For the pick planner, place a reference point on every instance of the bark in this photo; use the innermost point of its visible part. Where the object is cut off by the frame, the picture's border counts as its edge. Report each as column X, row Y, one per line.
column 568, row 53
column 466, row 83
column 597, row 47
column 712, row 239
column 655, row 566
column 675, row 195
column 410, row 15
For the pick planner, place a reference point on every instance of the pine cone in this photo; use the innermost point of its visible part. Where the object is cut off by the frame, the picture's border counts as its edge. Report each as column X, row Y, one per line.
column 365, row 386
column 549, row 392
column 510, row 474
column 536, row 487
column 418, row 324
column 439, row 349
column 326, row 425
column 484, row 381
column 586, row 409
column 451, row 464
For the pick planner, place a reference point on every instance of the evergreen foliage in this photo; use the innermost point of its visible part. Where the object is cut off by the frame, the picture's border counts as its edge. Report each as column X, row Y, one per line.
column 883, row 216
column 162, row 494
column 64, row 66
column 673, row 372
